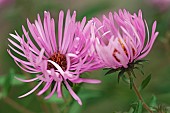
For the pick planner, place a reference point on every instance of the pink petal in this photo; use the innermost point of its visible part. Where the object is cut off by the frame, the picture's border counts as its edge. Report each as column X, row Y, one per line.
column 73, row 93
column 31, row 90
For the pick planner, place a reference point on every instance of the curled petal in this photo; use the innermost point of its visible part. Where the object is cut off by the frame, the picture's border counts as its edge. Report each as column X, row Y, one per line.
column 52, row 92
column 57, row 66
column 31, row 90
column 73, row 93
column 22, row 80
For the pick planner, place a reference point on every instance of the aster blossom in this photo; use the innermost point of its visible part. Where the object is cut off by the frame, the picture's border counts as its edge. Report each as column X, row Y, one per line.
column 55, row 62
column 122, row 38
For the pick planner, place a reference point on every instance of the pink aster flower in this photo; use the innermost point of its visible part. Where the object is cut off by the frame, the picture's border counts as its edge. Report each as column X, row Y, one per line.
column 122, row 38
column 55, row 62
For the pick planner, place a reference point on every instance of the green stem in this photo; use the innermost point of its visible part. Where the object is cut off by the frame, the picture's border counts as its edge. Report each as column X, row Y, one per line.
column 141, row 99
column 139, row 95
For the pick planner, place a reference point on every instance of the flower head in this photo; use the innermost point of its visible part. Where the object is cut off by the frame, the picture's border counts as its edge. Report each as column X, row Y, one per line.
column 121, row 38
column 55, row 62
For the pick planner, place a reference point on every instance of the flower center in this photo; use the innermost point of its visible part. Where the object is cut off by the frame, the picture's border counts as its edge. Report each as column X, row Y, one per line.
column 58, row 58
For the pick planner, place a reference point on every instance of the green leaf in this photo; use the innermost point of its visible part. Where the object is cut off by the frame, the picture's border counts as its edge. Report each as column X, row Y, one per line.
column 145, row 82
column 131, row 110
column 138, row 107
column 153, row 103
column 134, row 104
column 8, row 83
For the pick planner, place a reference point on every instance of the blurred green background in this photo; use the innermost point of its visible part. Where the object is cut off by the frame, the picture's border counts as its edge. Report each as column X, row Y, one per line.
column 107, row 97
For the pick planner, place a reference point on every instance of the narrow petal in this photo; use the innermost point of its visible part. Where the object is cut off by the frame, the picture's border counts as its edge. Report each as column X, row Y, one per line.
column 57, row 66
column 31, row 90
column 52, row 92
column 22, row 80
column 60, row 28
column 73, row 93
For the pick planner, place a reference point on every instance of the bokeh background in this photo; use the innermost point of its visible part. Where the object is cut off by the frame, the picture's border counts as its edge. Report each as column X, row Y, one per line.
column 107, row 97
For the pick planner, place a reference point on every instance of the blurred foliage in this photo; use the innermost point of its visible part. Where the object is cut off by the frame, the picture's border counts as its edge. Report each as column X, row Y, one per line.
column 109, row 96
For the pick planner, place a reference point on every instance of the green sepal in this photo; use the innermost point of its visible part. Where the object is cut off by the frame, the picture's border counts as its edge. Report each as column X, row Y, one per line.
column 133, row 73
column 140, row 61
column 131, row 82
column 120, row 74
column 111, row 71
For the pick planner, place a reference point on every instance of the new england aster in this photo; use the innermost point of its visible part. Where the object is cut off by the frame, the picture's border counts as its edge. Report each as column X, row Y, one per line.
column 122, row 38
column 55, row 62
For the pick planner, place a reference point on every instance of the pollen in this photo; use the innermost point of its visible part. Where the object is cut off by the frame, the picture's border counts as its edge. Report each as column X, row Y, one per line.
column 58, row 58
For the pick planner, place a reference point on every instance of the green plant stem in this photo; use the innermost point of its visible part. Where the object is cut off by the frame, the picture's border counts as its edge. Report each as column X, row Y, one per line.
column 15, row 105
column 141, row 99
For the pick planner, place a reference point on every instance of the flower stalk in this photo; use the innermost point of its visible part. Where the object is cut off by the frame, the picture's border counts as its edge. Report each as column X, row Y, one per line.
column 141, row 99
column 134, row 87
